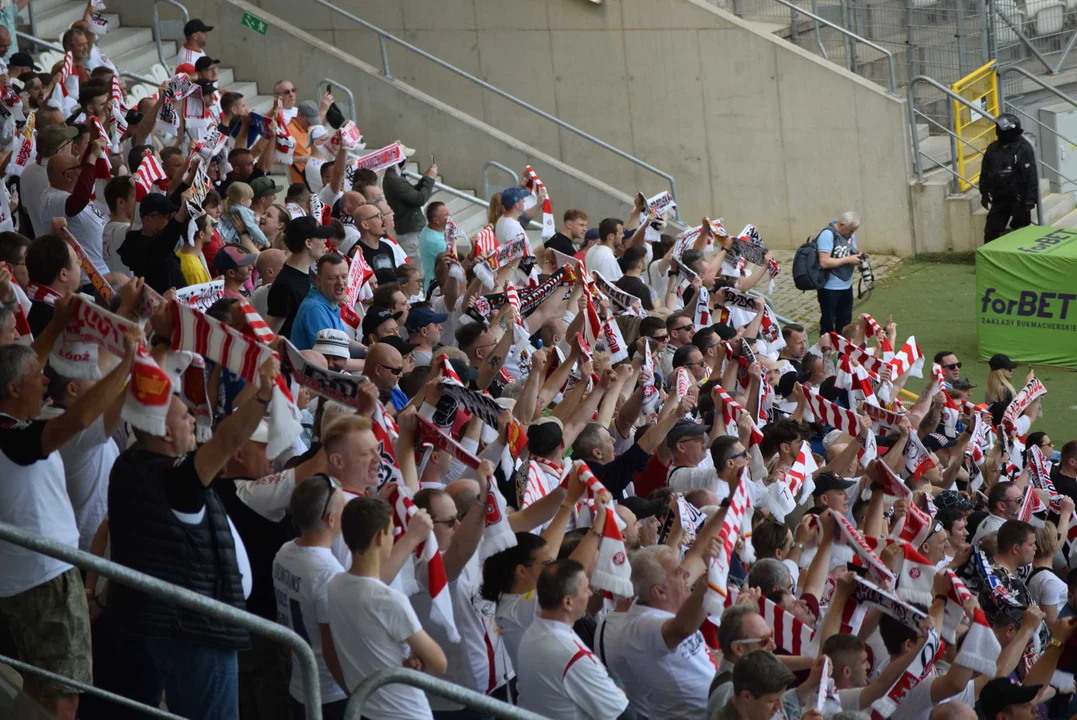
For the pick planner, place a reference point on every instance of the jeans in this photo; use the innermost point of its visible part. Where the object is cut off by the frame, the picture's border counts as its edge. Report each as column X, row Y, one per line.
column 200, row 682
column 835, row 309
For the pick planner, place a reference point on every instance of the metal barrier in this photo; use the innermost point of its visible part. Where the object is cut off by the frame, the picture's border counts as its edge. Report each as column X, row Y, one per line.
column 851, row 36
column 497, row 166
column 433, row 686
column 157, row 28
column 351, row 98
column 59, row 48
column 384, row 37
column 184, row 598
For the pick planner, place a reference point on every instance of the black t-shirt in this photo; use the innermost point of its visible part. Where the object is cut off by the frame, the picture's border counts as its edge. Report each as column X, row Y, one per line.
column 381, row 260
column 39, row 317
column 635, row 286
column 561, row 244
column 20, row 441
column 617, row 474
column 286, row 294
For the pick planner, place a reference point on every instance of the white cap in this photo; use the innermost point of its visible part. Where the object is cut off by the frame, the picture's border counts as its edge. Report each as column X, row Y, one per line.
column 316, row 132
column 332, row 342
column 261, row 433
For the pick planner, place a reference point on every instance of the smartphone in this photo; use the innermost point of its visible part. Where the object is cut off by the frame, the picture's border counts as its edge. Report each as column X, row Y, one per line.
column 431, row 158
column 329, row 89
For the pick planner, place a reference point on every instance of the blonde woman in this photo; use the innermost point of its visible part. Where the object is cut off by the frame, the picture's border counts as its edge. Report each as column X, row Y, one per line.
column 193, row 265
column 495, row 210
column 1045, row 587
column 999, row 384
column 272, row 224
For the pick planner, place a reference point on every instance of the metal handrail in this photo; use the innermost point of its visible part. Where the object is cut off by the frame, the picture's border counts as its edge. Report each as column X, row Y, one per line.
column 818, row 34
column 157, row 27
column 89, row 689
column 1021, row 71
column 851, row 35
column 347, row 91
column 31, row 17
column 383, row 36
column 497, row 166
column 59, row 48
column 184, row 598
column 434, row 686
column 463, row 195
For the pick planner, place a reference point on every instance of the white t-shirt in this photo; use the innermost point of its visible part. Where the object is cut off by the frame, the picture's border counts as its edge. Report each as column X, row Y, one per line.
column 515, row 613
column 480, row 642
column 32, row 184
column 917, row 704
column 370, row 623
column 87, row 226
column 448, row 328
column 33, row 497
column 88, row 459
column 312, row 172
column 7, row 223
column 301, row 578
column 260, row 299
column 602, row 259
column 112, row 238
column 560, row 678
column 661, row 683
column 329, row 197
column 988, row 525
column 1045, row 588
column 508, row 229
column 289, row 115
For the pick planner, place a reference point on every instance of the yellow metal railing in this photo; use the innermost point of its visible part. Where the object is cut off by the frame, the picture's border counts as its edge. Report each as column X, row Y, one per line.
column 980, row 88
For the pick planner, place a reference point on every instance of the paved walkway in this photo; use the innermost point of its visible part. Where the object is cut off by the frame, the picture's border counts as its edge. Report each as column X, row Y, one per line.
column 802, row 307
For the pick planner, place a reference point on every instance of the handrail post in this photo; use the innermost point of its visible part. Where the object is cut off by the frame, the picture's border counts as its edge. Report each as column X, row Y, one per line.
column 384, row 58
column 498, row 166
column 188, row 599
column 32, row 18
column 157, row 28
column 952, row 120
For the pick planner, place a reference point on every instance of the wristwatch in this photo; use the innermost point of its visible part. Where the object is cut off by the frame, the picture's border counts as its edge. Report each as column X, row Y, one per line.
column 1055, row 643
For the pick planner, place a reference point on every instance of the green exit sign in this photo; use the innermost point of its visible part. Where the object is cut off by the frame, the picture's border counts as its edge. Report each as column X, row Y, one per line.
column 256, row 24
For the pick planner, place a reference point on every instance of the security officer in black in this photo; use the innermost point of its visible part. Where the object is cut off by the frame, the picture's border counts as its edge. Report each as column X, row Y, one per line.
column 1008, row 181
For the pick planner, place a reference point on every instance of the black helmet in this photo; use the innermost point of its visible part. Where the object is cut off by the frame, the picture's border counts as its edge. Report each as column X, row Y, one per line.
column 1007, row 127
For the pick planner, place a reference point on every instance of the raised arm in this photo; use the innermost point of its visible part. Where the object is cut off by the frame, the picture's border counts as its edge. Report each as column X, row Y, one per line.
column 466, row 540
column 690, row 617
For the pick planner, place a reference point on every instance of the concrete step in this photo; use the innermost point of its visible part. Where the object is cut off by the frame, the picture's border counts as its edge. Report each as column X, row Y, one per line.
column 118, row 41
column 937, row 150
column 1055, row 207
column 139, row 60
column 247, row 89
column 260, row 104
column 226, row 78
column 42, row 6
column 52, row 23
column 923, row 131
column 1069, row 220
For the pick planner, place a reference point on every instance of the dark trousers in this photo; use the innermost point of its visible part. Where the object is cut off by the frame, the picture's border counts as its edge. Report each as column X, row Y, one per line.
column 330, row 711
column 502, row 694
column 1005, row 211
column 835, row 309
column 121, row 664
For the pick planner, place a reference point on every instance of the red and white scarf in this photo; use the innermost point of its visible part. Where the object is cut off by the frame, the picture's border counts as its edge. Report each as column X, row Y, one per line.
column 485, row 242
column 535, row 185
column 612, row 571
column 235, row 350
column 829, row 413
column 910, row 359
column 872, row 329
column 1032, row 391
column 148, row 175
column 437, row 583
column 915, row 577
column 718, row 595
column 872, row 363
column 792, row 635
column 853, row 378
column 863, row 554
column 731, row 412
column 917, row 458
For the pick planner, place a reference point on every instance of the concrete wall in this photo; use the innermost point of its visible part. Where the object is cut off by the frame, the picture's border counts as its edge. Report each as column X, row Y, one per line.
column 753, row 128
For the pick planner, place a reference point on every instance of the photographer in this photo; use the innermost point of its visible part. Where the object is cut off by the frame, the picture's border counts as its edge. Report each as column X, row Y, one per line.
column 838, row 256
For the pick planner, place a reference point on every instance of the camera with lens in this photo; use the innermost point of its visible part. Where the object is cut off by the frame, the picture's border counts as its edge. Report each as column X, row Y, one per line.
column 867, row 277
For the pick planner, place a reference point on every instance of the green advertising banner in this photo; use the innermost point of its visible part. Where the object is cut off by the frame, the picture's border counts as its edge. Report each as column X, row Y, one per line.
column 1026, row 296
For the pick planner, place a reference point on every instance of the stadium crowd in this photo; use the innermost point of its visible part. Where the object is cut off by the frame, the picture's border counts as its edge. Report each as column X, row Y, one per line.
column 587, row 472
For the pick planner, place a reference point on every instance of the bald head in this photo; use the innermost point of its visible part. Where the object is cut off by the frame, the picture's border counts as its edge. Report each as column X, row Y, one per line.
column 955, row 710
column 464, row 493
column 383, row 354
column 315, row 358
column 63, row 171
column 701, row 497
column 350, row 202
column 269, row 263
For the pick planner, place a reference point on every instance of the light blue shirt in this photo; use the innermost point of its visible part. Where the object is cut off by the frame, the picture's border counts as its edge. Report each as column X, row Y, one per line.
column 315, row 313
column 826, row 244
column 431, row 243
column 8, row 17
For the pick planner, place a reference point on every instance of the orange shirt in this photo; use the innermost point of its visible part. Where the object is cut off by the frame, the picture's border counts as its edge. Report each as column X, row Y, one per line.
column 298, row 163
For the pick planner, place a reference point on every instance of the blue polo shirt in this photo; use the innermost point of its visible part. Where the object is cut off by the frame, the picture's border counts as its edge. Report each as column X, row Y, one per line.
column 315, row 313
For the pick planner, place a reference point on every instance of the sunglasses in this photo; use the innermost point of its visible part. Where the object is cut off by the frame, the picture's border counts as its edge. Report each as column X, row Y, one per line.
column 290, row 91
column 450, row 523
column 953, row 366
column 761, row 640
column 393, row 370
column 331, row 484
column 682, row 327
column 742, row 453
column 661, row 338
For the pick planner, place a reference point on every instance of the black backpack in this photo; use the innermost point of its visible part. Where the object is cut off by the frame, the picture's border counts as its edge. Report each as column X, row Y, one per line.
column 807, row 274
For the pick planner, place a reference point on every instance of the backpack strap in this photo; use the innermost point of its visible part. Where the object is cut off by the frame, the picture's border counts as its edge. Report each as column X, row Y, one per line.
column 720, row 679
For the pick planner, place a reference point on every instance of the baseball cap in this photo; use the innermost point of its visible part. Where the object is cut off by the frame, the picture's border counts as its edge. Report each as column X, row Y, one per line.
column 544, row 435
column 316, row 132
column 264, row 186
column 684, row 429
column 53, row 137
column 1001, row 362
column 231, row 257
column 375, row 317
column 465, row 372
column 402, row 346
column 962, row 384
column 21, row 59
column 511, row 196
column 936, row 441
column 829, row 481
column 643, row 508
column 309, row 110
column 419, row 318
column 1000, row 693
column 591, row 234
column 305, row 228
column 953, row 499
column 156, row 203
column 186, row 69
column 205, row 63
column 332, row 342
column 196, row 25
